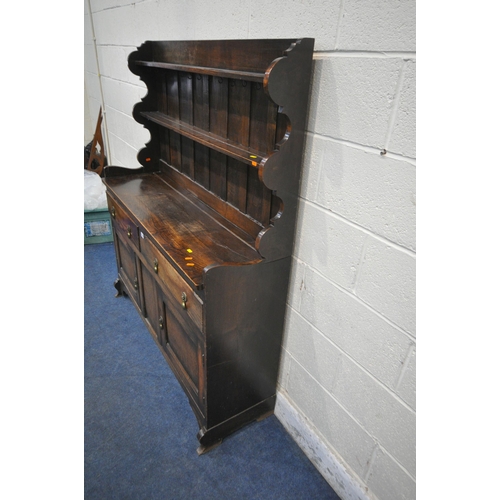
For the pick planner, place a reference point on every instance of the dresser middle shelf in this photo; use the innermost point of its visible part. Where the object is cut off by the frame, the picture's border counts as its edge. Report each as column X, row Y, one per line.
column 213, row 141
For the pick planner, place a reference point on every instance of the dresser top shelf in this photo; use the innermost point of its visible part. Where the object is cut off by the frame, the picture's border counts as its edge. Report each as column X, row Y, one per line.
column 191, row 235
column 252, row 76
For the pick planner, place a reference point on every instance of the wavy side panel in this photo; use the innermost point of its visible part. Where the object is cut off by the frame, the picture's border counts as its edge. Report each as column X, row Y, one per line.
column 286, row 82
column 148, row 156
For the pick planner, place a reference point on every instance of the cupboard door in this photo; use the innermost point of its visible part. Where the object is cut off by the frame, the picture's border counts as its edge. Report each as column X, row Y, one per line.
column 183, row 346
column 150, row 308
column 127, row 267
column 162, row 319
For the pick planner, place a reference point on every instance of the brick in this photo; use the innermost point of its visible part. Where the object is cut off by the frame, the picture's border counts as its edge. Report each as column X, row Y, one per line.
column 122, row 154
column 296, row 286
column 407, row 388
column 345, row 483
column 93, row 112
column 328, row 244
column 387, row 283
column 332, row 422
column 352, row 98
column 90, row 62
column 98, row 5
column 130, row 24
column 88, row 38
column 388, row 481
column 313, row 155
column 371, row 404
column 378, row 411
column 228, row 19
column 88, row 129
column 316, row 19
column 113, row 63
column 312, row 350
column 120, row 95
column 92, row 87
column 284, row 370
column 127, row 129
column 385, row 25
column 403, row 137
column 374, row 191
column 371, row 341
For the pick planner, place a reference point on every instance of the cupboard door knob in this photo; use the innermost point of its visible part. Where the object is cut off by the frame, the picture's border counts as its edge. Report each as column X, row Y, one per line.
column 160, row 322
column 184, row 300
column 155, row 265
column 113, row 213
column 129, row 232
column 136, row 283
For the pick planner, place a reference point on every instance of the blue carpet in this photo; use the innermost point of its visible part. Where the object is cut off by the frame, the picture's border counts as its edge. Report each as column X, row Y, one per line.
column 140, row 432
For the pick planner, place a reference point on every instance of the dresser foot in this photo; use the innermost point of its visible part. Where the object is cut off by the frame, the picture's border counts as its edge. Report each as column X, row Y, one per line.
column 202, row 449
column 212, row 437
column 119, row 287
column 264, row 416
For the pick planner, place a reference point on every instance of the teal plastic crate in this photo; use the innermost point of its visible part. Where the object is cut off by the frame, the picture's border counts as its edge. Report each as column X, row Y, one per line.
column 97, row 226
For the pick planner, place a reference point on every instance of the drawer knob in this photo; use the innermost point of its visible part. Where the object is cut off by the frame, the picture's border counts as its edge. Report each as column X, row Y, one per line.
column 113, row 212
column 160, row 322
column 129, row 232
column 184, row 300
column 155, row 265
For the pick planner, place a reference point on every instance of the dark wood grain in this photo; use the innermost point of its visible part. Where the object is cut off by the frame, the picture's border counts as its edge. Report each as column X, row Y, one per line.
column 245, row 227
column 204, row 229
column 235, row 55
column 204, row 70
column 186, row 116
column 176, row 224
column 213, row 141
column 262, row 132
column 218, row 126
column 172, row 80
column 201, row 123
column 239, row 132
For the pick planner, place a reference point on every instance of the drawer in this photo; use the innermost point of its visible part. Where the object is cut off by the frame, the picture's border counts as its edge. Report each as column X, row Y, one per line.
column 123, row 222
column 184, row 299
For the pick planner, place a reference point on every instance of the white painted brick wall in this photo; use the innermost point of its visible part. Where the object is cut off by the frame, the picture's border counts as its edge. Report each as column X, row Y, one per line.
column 328, row 243
column 370, row 403
column 372, row 191
column 294, row 18
column 404, row 132
column 333, row 422
column 387, row 282
column 387, row 480
column 361, row 333
column 384, row 25
column 348, row 365
column 352, row 98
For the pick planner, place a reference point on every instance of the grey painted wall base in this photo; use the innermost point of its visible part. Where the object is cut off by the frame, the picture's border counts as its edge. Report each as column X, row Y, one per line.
column 345, row 484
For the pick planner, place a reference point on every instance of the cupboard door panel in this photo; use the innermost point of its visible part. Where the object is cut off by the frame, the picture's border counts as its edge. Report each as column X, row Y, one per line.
column 181, row 341
column 183, row 348
column 150, row 302
column 127, row 266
